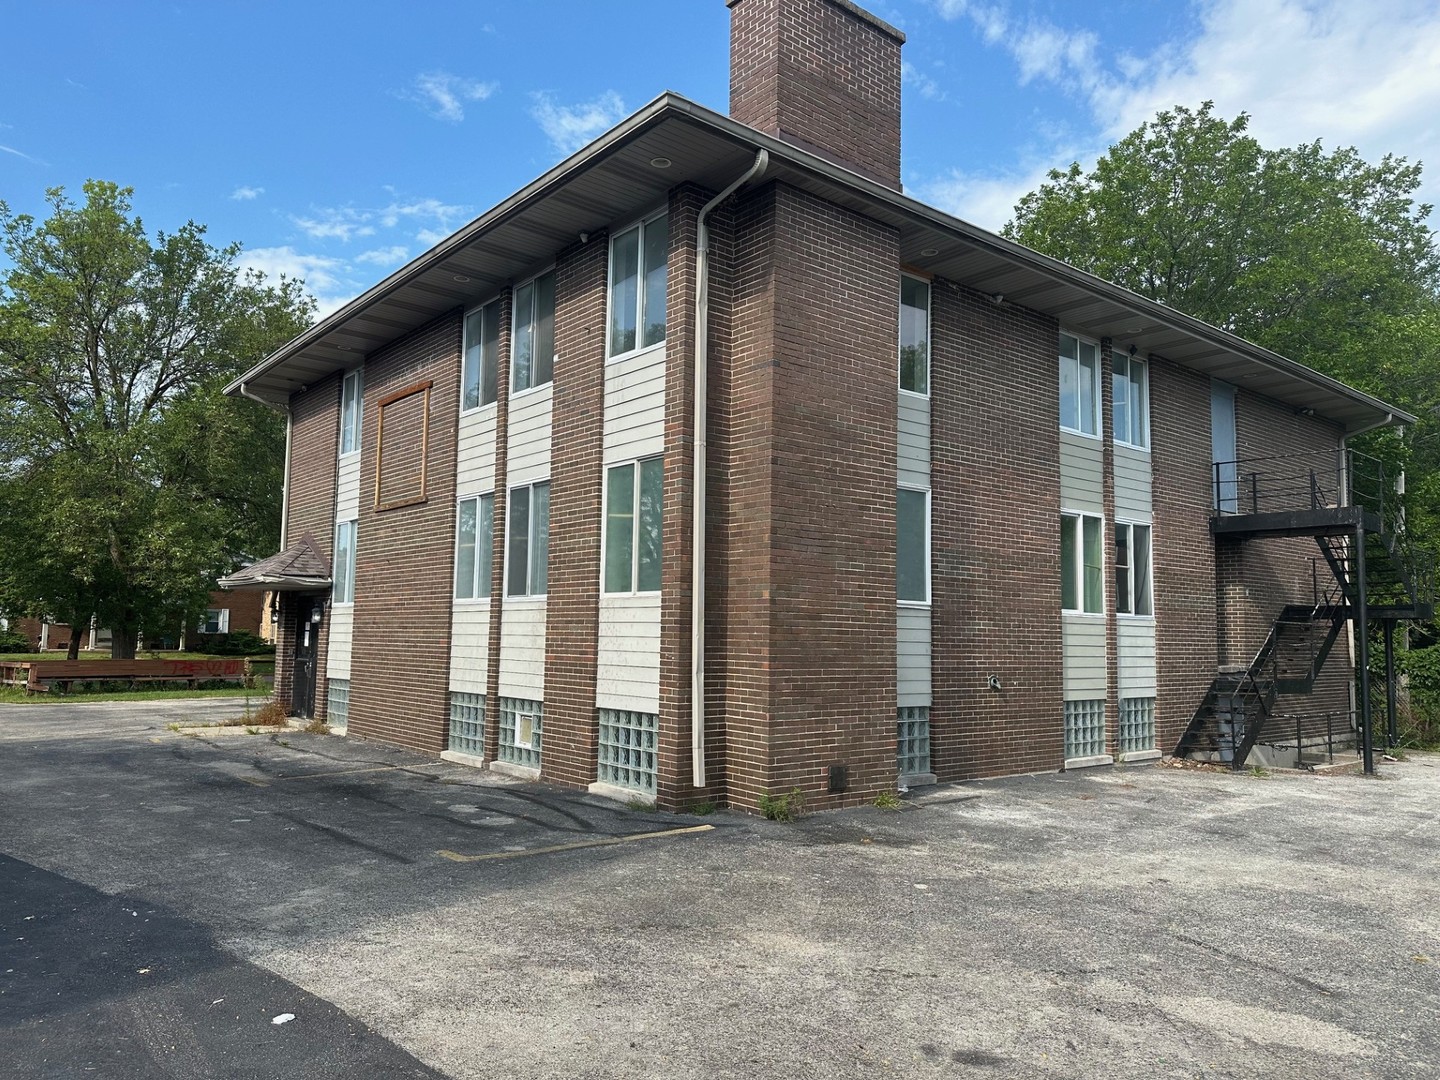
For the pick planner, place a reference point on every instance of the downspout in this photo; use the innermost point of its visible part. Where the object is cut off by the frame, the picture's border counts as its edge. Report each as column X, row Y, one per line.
column 289, row 436
column 702, row 377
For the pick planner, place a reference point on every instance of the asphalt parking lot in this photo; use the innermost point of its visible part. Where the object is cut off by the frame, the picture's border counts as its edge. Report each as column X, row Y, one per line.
column 164, row 897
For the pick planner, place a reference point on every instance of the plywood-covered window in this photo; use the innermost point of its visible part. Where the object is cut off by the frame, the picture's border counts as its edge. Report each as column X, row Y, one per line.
column 402, row 446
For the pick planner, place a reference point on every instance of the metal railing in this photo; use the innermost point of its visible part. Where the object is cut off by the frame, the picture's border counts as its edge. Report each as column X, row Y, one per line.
column 1318, row 480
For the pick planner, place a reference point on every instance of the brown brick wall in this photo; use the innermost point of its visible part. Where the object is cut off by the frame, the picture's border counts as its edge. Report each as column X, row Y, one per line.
column 1183, row 550
column 822, row 76
column 400, row 660
column 314, row 449
column 995, row 476
column 811, row 547
column 497, row 546
column 572, row 616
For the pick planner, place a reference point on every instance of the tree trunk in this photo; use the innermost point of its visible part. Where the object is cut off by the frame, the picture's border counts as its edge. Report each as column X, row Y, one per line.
column 73, row 651
column 122, row 643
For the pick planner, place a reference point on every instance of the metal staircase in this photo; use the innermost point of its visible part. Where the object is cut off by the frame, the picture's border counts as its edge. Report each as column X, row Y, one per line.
column 1371, row 573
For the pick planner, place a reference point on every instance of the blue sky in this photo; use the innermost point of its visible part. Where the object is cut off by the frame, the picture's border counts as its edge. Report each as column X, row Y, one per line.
column 336, row 141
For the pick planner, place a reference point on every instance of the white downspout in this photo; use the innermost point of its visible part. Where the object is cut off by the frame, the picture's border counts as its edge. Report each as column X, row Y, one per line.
column 702, row 377
column 289, row 436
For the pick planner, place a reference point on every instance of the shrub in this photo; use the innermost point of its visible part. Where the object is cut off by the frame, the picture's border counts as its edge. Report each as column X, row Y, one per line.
column 783, row 807
column 235, row 643
column 12, row 641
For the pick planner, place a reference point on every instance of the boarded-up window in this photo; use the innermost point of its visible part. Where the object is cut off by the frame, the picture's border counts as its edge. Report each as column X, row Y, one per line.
column 402, row 445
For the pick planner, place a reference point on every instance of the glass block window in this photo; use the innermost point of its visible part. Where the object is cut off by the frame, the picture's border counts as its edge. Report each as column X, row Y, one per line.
column 467, row 724
column 1137, row 724
column 1084, row 729
column 627, row 749
column 912, row 741
column 337, row 703
column 520, row 723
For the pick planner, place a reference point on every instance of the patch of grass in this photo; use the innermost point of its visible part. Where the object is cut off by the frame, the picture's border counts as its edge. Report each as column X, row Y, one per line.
column 16, row 695
column 887, row 800
column 702, row 809
column 788, row 807
column 315, row 726
column 640, row 805
column 1259, row 772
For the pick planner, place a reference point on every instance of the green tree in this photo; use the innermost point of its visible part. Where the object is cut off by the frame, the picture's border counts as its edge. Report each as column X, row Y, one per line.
column 1317, row 255
column 128, row 482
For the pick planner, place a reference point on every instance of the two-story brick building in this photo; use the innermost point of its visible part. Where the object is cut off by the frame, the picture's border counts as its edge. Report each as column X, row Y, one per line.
column 710, row 464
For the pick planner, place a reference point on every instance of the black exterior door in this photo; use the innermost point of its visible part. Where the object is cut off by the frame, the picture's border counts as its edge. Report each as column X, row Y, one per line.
column 307, row 635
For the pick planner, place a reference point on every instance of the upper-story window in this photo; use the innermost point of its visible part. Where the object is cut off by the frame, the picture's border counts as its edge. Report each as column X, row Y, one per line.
column 351, row 402
column 1079, row 385
column 480, row 374
column 1130, row 392
column 914, row 335
column 637, row 286
column 532, row 347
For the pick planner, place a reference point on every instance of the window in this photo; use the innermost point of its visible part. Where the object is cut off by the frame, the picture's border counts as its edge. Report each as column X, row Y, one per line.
column 637, row 286
column 1082, row 581
column 1137, row 725
column 914, row 335
column 480, row 374
column 343, row 589
column 532, row 348
column 912, row 546
column 216, row 621
column 529, row 536
column 474, row 536
column 1132, row 569
column 1084, row 729
column 350, row 406
column 1131, row 402
column 633, row 500
column 1079, row 385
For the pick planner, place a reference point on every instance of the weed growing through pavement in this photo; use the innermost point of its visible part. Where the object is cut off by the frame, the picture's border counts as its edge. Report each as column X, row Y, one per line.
column 783, row 807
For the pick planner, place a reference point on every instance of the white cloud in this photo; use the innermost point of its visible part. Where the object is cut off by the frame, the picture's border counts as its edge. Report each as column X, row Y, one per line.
column 927, row 87
column 1333, row 70
column 569, row 127
column 987, row 200
column 431, row 237
column 444, row 96
column 421, row 210
column 346, row 223
column 245, row 193
column 19, row 154
column 325, row 277
column 389, row 256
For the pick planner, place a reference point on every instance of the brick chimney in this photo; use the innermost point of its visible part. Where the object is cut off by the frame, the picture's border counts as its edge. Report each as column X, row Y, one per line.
column 823, row 75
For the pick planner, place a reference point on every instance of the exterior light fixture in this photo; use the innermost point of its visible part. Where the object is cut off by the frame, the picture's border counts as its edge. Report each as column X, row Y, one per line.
column 461, row 278
column 929, row 252
column 661, row 162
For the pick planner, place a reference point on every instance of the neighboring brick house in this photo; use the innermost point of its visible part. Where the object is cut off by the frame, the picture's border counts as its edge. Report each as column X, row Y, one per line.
column 225, row 613
column 956, row 498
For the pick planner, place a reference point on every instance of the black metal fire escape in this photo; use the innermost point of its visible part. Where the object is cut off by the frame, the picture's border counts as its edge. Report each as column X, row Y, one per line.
column 1367, row 572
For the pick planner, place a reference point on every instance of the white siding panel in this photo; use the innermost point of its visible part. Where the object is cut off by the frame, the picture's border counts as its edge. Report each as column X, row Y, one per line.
column 529, row 436
column 347, row 488
column 475, row 463
column 1135, row 665
column 469, row 647
column 1082, row 472
column 913, row 651
column 628, row 654
column 635, row 407
column 522, row 650
column 1132, row 484
column 914, row 441
column 1084, row 666
column 342, row 635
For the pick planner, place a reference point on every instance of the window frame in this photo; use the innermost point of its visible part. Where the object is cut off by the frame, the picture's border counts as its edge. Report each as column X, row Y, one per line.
column 635, row 490
column 521, row 391
column 929, row 552
column 1134, row 397
column 222, row 621
column 353, row 526
column 642, row 223
column 929, row 335
column 530, row 537
column 1098, row 392
column 479, row 309
column 351, row 432
column 1130, row 566
column 477, row 582
column 1079, row 517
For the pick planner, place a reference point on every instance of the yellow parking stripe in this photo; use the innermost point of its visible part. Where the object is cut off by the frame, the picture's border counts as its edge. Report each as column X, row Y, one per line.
column 606, row 841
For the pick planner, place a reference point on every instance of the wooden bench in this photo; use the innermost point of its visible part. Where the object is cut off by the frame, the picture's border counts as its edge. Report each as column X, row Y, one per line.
column 38, row 675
